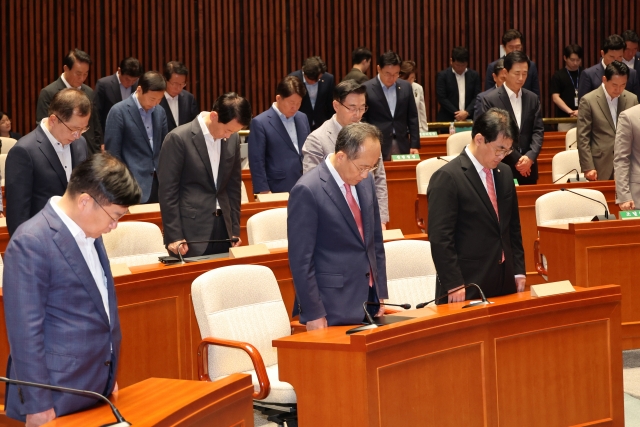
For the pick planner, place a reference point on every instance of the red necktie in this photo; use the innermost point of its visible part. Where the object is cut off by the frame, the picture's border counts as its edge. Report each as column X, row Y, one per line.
column 491, row 189
column 355, row 210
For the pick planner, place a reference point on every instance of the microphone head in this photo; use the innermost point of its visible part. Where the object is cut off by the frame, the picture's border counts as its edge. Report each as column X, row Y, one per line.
column 563, row 189
column 421, row 305
column 234, row 239
column 405, row 306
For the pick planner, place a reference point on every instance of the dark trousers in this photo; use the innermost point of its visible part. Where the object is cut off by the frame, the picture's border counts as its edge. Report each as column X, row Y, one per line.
column 153, row 196
column 532, row 179
column 373, row 297
column 219, row 232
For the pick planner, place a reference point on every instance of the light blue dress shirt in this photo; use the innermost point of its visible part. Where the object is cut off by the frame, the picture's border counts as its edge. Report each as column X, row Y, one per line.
column 147, row 119
column 391, row 94
column 125, row 92
column 289, row 125
column 312, row 90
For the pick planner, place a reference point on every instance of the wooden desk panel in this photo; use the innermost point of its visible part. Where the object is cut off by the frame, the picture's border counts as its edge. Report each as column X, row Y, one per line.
column 401, row 185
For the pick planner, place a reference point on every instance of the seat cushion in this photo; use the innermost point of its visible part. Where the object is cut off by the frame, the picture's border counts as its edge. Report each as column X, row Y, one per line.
column 281, row 392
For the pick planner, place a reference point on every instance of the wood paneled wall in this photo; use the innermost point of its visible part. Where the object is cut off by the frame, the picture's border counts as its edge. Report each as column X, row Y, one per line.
column 249, row 45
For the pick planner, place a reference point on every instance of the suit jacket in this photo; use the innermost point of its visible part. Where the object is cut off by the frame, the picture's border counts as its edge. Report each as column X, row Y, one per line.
column 418, row 96
column 188, row 192
column 626, row 160
column 357, row 75
column 448, row 96
column 532, row 83
column 591, row 79
column 596, row 131
column 106, row 95
column 34, row 174
column 467, row 240
column 93, row 136
column 531, row 130
column 478, row 108
column 187, row 109
column 57, row 325
column 404, row 121
column 276, row 165
column 126, row 138
column 322, row 142
column 324, row 102
column 636, row 65
column 330, row 263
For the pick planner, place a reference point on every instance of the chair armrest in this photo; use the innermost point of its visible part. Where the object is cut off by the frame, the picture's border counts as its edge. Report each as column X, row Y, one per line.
column 536, row 255
column 252, row 352
column 419, row 219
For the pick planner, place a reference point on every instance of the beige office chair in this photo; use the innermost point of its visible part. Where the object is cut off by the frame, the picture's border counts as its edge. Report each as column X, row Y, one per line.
column 269, row 227
column 411, row 273
column 147, row 208
column 3, row 161
column 561, row 207
column 562, row 166
column 570, row 139
column 240, row 307
column 134, row 243
column 1, row 270
column 457, row 142
column 428, row 167
column 7, row 144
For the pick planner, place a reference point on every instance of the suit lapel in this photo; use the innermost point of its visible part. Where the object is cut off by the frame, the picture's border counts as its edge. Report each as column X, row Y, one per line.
column 330, row 187
column 156, row 119
column 472, row 175
column 170, row 120
column 106, row 267
column 197, row 137
column 604, row 106
column 454, row 84
column 51, row 155
column 115, row 89
column 299, row 131
column 506, row 104
column 227, row 152
column 135, row 115
column 278, row 126
column 365, row 198
column 377, row 89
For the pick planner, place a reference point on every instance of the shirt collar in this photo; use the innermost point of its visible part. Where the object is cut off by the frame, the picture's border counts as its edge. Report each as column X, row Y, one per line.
column 602, row 63
column 383, row 85
column 74, row 228
column 135, row 97
column 609, row 98
column 203, row 126
column 66, row 83
column 52, row 139
column 333, row 171
column 511, row 93
column 280, row 114
column 309, row 84
column 169, row 97
column 475, row 161
column 459, row 75
column 118, row 76
column 336, row 123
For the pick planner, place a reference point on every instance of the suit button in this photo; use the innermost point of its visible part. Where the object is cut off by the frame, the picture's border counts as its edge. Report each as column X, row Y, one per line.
column 366, row 275
column 107, row 363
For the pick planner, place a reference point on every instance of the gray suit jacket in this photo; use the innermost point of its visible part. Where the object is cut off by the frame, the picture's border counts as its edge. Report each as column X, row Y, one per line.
column 596, row 131
column 322, row 142
column 626, row 156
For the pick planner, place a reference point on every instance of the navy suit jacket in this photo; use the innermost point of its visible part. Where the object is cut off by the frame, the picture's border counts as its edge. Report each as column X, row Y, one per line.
column 58, row 329
column 323, row 110
column 591, row 79
column 275, row 163
column 126, row 138
column 187, row 109
column 34, row 174
column 329, row 261
column 532, row 83
column 448, row 96
column 106, row 95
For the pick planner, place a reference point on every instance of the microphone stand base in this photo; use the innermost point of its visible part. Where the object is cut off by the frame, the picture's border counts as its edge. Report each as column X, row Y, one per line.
column 117, row 424
column 361, row 328
column 476, row 303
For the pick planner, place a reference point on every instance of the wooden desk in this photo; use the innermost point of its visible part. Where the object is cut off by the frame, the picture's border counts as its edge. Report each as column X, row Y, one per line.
column 164, row 402
column 527, row 196
column 523, row 361
column 595, row 253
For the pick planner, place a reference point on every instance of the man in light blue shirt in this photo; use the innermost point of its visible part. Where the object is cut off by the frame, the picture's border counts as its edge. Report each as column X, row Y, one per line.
column 317, row 104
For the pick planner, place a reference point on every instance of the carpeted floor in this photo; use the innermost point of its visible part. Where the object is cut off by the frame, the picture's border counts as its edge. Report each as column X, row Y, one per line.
column 631, row 374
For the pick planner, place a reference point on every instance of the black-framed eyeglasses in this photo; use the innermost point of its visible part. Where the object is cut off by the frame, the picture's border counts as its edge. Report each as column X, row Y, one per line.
column 75, row 133
column 355, row 110
column 113, row 220
column 364, row 170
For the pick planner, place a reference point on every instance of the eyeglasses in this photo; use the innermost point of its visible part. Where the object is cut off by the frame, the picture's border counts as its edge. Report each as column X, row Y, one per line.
column 355, row 110
column 76, row 133
column 365, row 170
column 504, row 152
column 113, row 220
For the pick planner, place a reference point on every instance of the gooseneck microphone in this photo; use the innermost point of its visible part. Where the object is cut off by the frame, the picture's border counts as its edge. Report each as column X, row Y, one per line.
column 442, row 158
column 572, row 170
column 597, row 217
column 370, row 319
column 472, row 304
column 121, row 422
column 231, row 240
column 573, row 143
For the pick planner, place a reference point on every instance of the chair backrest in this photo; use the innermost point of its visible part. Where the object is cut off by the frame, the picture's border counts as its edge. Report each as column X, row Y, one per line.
column 457, row 141
column 411, row 273
column 426, row 168
column 244, row 198
column 3, row 161
column 146, row 208
column 570, row 139
column 268, row 227
column 563, row 162
column 241, row 303
column 7, row 144
column 133, row 238
column 562, row 207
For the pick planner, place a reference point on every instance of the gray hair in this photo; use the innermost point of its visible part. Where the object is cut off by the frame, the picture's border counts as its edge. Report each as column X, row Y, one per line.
column 352, row 136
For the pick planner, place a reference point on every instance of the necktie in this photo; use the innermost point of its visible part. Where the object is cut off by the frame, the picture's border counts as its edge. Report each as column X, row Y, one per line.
column 355, row 210
column 491, row 189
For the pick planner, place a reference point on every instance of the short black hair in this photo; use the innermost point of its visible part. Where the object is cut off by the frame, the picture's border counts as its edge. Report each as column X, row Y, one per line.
column 407, row 68
column 76, row 55
column 2, row 114
column 70, row 101
column 389, row 58
column 511, row 35
column 460, row 54
column 361, row 54
column 630, row 36
column 346, row 88
column 175, row 67
column 232, row 106
column 291, row 85
column 515, row 57
column 571, row 49
column 107, row 179
column 613, row 42
column 313, row 67
column 352, row 136
column 616, row 68
column 493, row 123
column 152, row 81
column 499, row 66
column 131, row 67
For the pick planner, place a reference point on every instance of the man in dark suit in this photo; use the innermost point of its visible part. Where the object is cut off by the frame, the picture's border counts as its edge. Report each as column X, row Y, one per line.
column 76, row 69
column 276, row 140
column 474, row 224
column 499, row 77
column 455, row 81
column 524, row 108
column 630, row 55
column 117, row 87
column 59, row 298
column 392, row 108
column 135, row 130
column 317, row 104
column 512, row 41
column 361, row 60
column 336, row 254
column 200, row 179
column 39, row 166
column 178, row 103
column 612, row 50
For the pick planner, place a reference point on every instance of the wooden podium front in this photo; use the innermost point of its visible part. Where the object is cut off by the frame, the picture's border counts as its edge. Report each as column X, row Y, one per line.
column 595, row 253
column 522, row 361
column 174, row 403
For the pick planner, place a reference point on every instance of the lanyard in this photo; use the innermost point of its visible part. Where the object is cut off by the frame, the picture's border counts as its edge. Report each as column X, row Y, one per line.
column 575, row 85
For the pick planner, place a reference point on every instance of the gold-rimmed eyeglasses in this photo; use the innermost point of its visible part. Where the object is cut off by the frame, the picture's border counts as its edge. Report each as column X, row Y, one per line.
column 76, row 133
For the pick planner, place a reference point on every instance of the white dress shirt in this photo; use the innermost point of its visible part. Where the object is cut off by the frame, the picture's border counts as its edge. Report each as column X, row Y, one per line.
column 613, row 106
column 88, row 250
column 631, row 63
column 340, row 182
column 214, row 147
column 63, row 151
column 516, row 103
column 66, row 83
column 461, row 89
column 173, row 105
